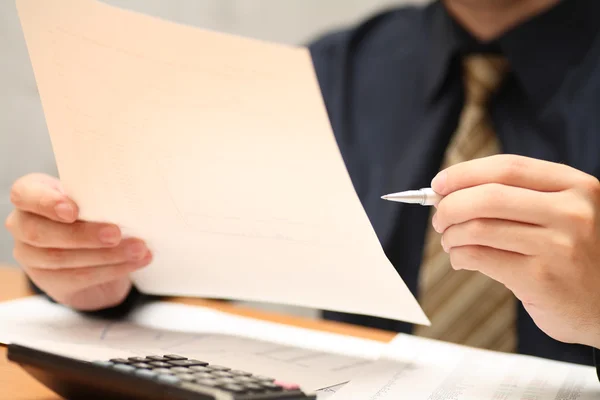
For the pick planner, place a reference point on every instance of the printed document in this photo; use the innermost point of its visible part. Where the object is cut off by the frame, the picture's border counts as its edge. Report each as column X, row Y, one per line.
column 424, row 369
column 215, row 149
column 315, row 360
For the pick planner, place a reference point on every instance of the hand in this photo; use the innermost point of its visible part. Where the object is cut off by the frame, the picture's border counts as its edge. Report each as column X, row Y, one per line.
column 533, row 226
column 80, row 264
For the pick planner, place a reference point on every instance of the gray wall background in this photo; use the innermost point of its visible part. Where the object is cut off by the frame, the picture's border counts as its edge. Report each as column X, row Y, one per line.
column 24, row 143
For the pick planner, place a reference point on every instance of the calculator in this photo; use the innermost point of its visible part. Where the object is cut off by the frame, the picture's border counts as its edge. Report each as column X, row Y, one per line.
column 153, row 377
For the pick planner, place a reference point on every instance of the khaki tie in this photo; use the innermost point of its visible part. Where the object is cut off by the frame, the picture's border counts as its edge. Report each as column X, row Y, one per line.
column 467, row 307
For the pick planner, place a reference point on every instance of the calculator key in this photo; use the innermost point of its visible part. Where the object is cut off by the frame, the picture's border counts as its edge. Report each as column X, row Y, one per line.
column 200, row 368
column 226, row 381
column 233, row 388
column 270, row 386
column 160, row 364
column 219, row 368
column 207, row 382
column 254, row 387
column 137, row 359
column 246, row 379
column 237, row 372
column 124, row 368
column 175, row 357
column 222, row 374
column 120, row 361
column 263, row 378
column 181, row 370
column 103, row 363
column 145, row 373
column 203, row 375
column 163, row 371
column 171, row 379
column 187, row 363
column 186, row 377
column 157, row 358
column 142, row 365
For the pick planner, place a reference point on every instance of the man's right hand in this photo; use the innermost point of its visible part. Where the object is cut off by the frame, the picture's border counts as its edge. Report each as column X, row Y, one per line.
column 83, row 265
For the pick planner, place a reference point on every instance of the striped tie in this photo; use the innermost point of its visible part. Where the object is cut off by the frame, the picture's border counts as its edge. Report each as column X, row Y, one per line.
column 467, row 307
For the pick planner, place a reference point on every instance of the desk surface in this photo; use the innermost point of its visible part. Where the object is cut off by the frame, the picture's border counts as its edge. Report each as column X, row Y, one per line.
column 17, row 385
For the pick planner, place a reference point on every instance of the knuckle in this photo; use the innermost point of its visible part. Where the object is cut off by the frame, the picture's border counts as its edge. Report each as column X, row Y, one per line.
column 9, row 223
column 512, row 167
column 18, row 255
column 582, row 217
column 30, row 230
column 54, row 256
column 16, row 194
column 476, row 229
column 591, row 185
column 542, row 274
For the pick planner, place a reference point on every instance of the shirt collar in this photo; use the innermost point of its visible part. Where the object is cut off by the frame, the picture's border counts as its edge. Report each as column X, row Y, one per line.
column 541, row 51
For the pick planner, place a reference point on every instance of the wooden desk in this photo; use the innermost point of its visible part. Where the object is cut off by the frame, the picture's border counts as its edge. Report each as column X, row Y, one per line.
column 17, row 385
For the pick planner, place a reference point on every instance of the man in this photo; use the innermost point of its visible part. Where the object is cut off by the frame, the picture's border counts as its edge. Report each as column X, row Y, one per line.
column 409, row 93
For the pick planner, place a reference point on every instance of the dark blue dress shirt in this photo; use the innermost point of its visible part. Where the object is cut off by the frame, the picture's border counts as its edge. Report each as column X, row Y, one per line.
column 393, row 89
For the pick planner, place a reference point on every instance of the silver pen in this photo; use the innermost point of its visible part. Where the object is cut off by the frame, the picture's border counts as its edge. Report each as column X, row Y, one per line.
column 424, row 197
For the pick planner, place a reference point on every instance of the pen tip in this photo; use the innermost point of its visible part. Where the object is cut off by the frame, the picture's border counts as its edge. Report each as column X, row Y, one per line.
column 385, row 197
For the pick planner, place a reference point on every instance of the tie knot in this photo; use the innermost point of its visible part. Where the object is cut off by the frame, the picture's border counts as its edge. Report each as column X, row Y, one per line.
column 483, row 75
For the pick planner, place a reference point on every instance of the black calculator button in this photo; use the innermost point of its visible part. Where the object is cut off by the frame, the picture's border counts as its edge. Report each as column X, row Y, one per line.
column 160, row 364
column 187, row 363
column 142, row 366
column 171, row 379
column 124, row 368
column 186, row 377
column 234, row 388
column 120, row 361
column 200, row 368
column 219, row 368
column 237, row 372
column 137, row 359
column 145, row 373
column 157, row 358
column 163, row 371
column 181, row 370
column 222, row 374
column 174, row 357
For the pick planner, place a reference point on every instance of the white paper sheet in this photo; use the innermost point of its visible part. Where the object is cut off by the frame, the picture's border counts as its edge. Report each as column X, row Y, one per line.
column 423, row 369
column 313, row 359
column 217, row 150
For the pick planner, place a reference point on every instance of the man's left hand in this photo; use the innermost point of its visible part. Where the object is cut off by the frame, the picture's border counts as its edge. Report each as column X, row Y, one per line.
column 533, row 226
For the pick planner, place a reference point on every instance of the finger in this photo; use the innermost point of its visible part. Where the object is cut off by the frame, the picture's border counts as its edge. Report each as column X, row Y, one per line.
column 40, row 195
column 498, row 202
column 41, row 232
column 510, row 170
column 503, row 266
column 53, row 258
column 64, row 282
column 499, row 234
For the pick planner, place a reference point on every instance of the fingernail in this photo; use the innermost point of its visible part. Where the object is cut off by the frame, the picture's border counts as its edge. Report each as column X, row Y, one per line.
column 144, row 262
column 136, row 251
column 438, row 184
column 110, row 235
column 434, row 222
column 65, row 211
